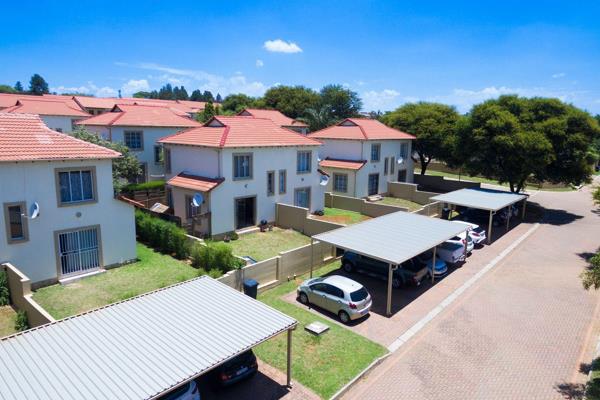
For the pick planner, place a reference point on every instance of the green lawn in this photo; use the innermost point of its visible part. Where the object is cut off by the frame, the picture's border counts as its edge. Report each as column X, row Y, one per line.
column 394, row 201
column 152, row 271
column 7, row 321
column 264, row 245
column 341, row 216
column 325, row 363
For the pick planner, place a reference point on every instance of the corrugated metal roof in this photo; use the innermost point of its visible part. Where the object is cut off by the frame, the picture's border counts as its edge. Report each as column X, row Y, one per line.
column 485, row 199
column 138, row 348
column 393, row 238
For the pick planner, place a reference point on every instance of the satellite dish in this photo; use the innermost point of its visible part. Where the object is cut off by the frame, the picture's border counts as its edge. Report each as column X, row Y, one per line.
column 319, row 159
column 34, row 211
column 197, row 200
column 400, row 160
column 324, row 180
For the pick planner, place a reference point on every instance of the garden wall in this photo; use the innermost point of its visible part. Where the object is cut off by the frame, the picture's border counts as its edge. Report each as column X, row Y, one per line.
column 19, row 286
column 297, row 218
column 409, row 191
column 370, row 209
column 440, row 184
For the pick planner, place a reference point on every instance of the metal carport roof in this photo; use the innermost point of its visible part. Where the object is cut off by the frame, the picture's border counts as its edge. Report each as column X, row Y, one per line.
column 392, row 238
column 138, row 348
column 485, row 199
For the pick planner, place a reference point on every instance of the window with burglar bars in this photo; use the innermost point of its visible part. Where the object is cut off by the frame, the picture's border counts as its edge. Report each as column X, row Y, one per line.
column 78, row 251
column 133, row 140
column 270, row 183
column 340, row 183
column 303, row 162
column 242, row 166
column 282, row 181
column 75, row 186
column 375, row 152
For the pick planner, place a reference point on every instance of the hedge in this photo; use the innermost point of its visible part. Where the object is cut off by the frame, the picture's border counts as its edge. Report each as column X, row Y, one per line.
column 151, row 185
column 215, row 255
column 4, row 293
column 163, row 236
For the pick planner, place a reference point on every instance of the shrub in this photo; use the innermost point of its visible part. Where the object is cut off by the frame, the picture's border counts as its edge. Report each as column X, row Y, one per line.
column 4, row 293
column 21, row 323
column 215, row 255
column 132, row 187
column 163, row 236
column 215, row 273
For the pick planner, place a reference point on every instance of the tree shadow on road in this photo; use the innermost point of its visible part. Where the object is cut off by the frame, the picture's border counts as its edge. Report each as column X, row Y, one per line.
column 536, row 213
column 571, row 391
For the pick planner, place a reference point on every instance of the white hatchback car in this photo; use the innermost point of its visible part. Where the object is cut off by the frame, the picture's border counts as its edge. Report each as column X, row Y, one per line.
column 463, row 239
column 476, row 233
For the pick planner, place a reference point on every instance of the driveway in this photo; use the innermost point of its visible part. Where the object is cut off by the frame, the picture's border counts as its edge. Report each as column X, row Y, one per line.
column 525, row 330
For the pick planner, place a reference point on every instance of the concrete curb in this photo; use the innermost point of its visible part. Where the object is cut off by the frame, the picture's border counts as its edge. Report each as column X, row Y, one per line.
column 362, row 374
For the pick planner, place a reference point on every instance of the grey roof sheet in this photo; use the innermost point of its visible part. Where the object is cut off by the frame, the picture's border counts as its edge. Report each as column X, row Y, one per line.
column 393, row 238
column 138, row 348
column 486, row 199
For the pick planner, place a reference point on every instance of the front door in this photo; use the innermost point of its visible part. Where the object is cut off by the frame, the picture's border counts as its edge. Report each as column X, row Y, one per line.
column 373, row 184
column 78, row 251
column 244, row 212
column 402, row 175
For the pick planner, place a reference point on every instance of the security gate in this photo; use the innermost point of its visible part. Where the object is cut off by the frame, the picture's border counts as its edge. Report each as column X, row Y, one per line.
column 78, row 251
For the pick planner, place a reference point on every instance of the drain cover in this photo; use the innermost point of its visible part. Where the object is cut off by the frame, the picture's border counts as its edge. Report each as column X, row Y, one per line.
column 316, row 328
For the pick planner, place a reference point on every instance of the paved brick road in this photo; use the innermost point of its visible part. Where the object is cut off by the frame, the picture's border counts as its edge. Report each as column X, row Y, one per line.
column 521, row 332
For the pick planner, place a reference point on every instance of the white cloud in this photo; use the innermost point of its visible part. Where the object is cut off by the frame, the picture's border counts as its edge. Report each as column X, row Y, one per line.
column 281, row 46
column 559, row 75
column 383, row 100
column 259, row 63
column 89, row 88
column 134, row 85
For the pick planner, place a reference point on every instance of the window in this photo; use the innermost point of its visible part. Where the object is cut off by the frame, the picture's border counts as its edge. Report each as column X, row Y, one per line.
column 242, row 166
column 76, row 185
column 333, row 291
column 373, row 184
column 392, row 165
column 133, row 140
column 375, row 152
column 270, row 183
column 385, row 166
column 167, row 159
column 404, row 150
column 302, row 197
column 303, row 162
column 282, row 181
column 340, row 183
column 159, row 156
column 190, row 209
column 78, row 250
column 16, row 223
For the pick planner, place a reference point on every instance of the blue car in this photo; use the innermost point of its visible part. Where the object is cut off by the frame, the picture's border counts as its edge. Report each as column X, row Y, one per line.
column 441, row 268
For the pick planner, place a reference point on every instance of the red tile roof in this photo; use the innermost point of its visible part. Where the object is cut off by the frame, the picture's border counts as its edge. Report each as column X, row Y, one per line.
column 45, row 107
column 24, row 137
column 360, row 129
column 342, row 164
column 239, row 131
column 8, row 100
column 96, row 102
column 194, row 182
column 140, row 115
column 194, row 105
column 274, row 115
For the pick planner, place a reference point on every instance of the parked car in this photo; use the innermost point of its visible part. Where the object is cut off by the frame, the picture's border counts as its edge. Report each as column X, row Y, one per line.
column 426, row 258
column 482, row 216
column 451, row 253
column 189, row 391
column 241, row 367
column 409, row 273
column 477, row 234
column 347, row 299
column 465, row 240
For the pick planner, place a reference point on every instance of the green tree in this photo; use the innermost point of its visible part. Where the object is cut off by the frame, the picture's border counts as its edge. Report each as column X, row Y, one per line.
column 125, row 168
column 237, row 102
column 342, row 102
column 219, row 98
column 318, row 118
column 7, row 89
column 19, row 87
column 292, row 101
column 38, row 85
column 166, row 92
column 433, row 125
column 207, row 96
column 142, row 95
column 591, row 276
column 208, row 112
column 196, row 95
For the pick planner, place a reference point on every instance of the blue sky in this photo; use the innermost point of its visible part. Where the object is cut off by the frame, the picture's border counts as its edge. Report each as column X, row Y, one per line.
column 390, row 52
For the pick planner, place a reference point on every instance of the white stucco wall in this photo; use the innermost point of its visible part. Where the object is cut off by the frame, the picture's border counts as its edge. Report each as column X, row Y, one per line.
column 60, row 123
column 361, row 150
column 203, row 161
column 30, row 182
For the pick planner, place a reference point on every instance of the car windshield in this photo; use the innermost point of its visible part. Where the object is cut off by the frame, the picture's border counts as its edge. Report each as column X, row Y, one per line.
column 359, row 295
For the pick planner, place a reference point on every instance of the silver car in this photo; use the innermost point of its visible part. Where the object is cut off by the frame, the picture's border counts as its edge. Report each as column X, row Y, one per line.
column 348, row 299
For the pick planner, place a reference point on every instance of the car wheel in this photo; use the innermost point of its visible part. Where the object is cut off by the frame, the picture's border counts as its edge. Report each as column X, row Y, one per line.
column 396, row 283
column 347, row 267
column 344, row 317
column 303, row 298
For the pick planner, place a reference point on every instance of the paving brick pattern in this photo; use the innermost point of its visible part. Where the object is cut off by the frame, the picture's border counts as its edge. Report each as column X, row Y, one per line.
column 520, row 332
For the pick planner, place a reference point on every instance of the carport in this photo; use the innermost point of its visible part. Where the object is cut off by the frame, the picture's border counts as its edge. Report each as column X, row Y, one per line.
column 484, row 199
column 392, row 239
column 140, row 348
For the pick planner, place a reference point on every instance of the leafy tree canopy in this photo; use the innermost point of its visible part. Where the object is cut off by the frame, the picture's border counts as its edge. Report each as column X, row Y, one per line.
column 38, row 85
column 19, row 87
column 237, row 102
column 292, row 101
column 434, row 126
column 125, row 169
column 318, row 118
column 591, row 276
column 342, row 102
column 209, row 111
column 7, row 89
